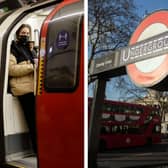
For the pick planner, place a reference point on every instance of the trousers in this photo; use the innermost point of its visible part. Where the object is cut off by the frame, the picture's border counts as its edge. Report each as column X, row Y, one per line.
column 28, row 105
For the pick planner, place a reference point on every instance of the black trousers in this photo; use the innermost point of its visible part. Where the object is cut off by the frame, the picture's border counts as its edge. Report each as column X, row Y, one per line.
column 28, row 104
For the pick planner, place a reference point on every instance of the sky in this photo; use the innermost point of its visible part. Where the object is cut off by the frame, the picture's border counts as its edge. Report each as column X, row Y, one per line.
column 150, row 6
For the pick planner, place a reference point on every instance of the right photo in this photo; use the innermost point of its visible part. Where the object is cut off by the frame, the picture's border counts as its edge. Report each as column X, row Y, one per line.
column 127, row 84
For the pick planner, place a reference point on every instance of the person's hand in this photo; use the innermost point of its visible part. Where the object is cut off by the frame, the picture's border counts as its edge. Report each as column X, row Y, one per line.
column 36, row 62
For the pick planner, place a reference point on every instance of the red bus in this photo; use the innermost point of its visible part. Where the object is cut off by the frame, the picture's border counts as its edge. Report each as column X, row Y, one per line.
column 58, row 31
column 128, row 124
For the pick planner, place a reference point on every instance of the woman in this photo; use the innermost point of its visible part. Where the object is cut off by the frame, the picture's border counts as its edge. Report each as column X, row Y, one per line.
column 21, row 80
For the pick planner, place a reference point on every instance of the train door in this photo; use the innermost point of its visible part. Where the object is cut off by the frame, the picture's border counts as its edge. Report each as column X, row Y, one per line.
column 60, row 118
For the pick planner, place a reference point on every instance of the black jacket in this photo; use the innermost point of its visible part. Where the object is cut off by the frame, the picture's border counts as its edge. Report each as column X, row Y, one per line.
column 22, row 52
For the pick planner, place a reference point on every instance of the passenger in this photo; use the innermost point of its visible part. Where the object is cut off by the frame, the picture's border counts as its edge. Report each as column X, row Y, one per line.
column 34, row 52
column 21, row 77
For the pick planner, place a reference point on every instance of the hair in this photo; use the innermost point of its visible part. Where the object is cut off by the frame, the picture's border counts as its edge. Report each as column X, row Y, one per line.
column 21, row 27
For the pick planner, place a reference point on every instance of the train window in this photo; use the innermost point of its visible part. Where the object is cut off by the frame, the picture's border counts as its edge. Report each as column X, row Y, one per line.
column 62, row 53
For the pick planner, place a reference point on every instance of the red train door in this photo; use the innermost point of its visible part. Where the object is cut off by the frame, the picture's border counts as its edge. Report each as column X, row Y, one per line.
column 60, row 88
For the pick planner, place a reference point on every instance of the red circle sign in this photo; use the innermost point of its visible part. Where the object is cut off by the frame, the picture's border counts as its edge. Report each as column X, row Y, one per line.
column 149, row 72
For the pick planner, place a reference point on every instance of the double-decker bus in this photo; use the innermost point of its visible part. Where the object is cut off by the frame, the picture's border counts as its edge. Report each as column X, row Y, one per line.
column 128, row 124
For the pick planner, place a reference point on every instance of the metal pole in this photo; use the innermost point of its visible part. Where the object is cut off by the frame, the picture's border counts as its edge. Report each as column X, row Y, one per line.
column 94, row 123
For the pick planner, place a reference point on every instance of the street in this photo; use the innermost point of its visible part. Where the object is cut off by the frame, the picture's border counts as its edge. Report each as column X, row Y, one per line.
column 147, row 156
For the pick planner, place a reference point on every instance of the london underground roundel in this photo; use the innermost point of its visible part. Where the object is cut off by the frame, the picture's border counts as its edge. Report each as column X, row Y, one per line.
column 150, row 72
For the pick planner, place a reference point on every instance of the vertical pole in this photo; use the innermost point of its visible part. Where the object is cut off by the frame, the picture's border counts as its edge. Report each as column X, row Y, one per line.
column 94, row 123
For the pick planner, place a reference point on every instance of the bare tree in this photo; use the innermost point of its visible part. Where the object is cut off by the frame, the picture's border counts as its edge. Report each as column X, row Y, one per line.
column 129, row 91
column 161, row 99
column 111, row 23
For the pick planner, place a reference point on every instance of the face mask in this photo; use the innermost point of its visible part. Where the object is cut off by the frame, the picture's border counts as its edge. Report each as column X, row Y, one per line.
column 23, row 39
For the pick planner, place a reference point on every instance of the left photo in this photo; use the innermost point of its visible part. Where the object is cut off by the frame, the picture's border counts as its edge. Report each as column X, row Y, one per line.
column 42, row 84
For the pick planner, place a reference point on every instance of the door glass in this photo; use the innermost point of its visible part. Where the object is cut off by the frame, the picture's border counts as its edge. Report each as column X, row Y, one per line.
column 63, row 41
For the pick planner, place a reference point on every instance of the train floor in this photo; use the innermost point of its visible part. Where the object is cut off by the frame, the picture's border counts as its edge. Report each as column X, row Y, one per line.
column 27, row 162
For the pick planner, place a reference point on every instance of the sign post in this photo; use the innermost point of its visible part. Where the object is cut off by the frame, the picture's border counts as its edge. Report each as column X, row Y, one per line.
column 150, row 48
column 94, row 124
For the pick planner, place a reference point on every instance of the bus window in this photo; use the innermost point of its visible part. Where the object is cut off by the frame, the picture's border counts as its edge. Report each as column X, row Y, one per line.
column 156, row 128
column 115, row 109
column 134, row 130
column 125, row 128
column 121, row 109
column 127, row 109
column 108, row 108
column 114, row 128
column 134, row 117
column 106, row 116
column 105, row 130
column 148, row 119
column 155, row 113
column 138, row 110
column 62, row 54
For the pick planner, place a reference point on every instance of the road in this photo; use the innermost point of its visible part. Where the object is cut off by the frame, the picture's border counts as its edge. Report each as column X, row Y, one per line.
column 148, row 156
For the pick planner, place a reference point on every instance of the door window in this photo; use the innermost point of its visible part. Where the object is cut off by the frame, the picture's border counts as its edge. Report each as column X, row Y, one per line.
column 63, row 47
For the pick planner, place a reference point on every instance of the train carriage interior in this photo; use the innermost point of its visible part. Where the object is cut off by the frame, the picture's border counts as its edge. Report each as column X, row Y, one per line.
column 17, row 141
